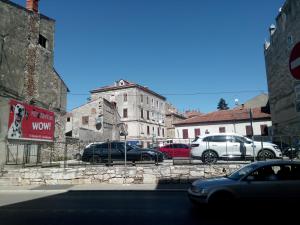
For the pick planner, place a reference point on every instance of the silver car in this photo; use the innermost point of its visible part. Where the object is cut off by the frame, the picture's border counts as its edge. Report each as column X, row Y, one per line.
column 268, row 180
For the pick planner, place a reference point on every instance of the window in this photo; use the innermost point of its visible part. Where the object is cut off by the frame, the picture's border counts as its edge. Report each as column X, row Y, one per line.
column 158, row 131
column 185, row 133
column 220, row 138
column 42, row 41
column 163, row 132
column 68, row 119
column 152, row 102
column 207, row 139
column 147, row 100
column 148, row 115
column 142, row 113
column 264, row 130
column 222, row 130
column 125, row 113
column 125, row 97
column 248, row 131
column 148, row 130
column 85, row 120
column 152, row 130
column 197, row 132
column 93, row 111
column 142, row 98
column 157, row 104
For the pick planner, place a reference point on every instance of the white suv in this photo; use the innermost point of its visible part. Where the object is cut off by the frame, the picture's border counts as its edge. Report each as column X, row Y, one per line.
column 210, row 148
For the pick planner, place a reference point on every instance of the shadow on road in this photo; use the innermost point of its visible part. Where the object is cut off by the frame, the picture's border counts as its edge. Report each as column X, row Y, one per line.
column 138, row 208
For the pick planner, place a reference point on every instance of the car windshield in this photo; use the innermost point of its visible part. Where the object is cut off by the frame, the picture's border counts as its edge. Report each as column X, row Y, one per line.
column 242, row 172
column 196, row 139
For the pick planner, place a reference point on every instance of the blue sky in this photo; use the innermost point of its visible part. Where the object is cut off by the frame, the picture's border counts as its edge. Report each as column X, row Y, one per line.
column 172, row 46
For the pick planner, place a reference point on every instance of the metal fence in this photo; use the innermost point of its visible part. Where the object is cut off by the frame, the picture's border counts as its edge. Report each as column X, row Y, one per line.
column 174, row 151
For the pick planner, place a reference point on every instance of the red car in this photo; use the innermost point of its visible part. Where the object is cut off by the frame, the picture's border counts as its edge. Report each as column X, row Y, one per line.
column 175, row 150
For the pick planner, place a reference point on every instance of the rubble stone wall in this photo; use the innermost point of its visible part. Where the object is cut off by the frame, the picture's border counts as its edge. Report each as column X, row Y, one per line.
column 116, row 175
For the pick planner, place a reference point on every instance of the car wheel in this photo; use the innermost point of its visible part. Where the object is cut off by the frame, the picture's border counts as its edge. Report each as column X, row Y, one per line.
column 96, row 159
column 209, row 157
column 266, row 154
column 166, row 156
column 78, row 157
column 146, row 157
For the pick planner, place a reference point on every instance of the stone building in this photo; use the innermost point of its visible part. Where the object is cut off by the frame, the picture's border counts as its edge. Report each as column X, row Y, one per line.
column 141, row 109
column 172, row 117
column 282, row 57
column 97, row 120
column 26, row 67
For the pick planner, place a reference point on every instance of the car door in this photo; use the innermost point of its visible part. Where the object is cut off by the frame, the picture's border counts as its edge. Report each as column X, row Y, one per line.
column 183, row 150
column 233, row 147
column 117, row 151
column 166, row 149
column 262, row 184
column 219, row 144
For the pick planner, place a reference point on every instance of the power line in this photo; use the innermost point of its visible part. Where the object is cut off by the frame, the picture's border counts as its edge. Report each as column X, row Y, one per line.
column 191, row 94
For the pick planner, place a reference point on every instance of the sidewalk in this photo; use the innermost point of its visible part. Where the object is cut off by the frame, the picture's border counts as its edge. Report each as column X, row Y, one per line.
column 95, row 187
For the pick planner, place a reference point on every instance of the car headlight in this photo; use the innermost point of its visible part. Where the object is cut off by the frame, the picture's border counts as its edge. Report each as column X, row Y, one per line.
column 199, row 190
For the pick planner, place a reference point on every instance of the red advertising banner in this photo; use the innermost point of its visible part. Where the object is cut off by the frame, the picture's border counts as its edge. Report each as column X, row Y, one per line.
column 27, row 122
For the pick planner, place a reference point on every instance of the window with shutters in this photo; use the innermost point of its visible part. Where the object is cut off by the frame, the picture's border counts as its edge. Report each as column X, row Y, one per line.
column 248, row 131
column 197, row 132
column 185, row 133
column 264, row 130
column 85, row 120
column 125, row 113
column 222, row 129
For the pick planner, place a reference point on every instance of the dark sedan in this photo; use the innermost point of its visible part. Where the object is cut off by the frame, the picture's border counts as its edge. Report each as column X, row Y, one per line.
column 267, row 181
column 115, row 151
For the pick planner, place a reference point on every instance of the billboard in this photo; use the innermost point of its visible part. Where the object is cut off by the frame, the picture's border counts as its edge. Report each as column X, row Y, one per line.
column 27, row 122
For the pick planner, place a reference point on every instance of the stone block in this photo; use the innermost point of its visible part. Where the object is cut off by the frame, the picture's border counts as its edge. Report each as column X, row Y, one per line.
column 149, row 179
column 116, row 181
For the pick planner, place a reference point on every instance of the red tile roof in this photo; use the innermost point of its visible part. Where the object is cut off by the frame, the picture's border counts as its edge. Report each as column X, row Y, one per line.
column 238, row 114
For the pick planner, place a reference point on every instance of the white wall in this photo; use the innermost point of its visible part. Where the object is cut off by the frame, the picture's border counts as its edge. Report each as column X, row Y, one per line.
column 239, row 128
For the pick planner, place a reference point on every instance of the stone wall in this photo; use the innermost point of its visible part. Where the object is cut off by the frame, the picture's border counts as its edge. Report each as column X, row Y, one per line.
column 115, row 175
column 26, row 67
column 285, row 109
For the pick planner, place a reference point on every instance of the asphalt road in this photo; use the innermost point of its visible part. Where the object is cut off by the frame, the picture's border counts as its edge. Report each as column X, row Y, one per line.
column 130, row 207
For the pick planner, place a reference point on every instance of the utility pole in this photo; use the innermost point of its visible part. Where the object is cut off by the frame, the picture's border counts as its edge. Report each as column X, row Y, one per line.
column 251, row 124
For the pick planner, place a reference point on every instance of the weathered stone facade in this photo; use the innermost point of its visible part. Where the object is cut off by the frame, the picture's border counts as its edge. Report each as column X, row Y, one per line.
column 26, row 67
column 81, row 121
column 172, row 117
column 145, row 109
column 115, row 175
column 285, row 107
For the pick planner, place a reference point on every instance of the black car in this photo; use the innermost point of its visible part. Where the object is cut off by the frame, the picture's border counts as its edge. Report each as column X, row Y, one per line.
column 115, row 151
column 291, row 150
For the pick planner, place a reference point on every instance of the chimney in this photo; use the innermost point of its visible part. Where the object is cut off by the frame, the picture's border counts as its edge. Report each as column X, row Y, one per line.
column 32, row 5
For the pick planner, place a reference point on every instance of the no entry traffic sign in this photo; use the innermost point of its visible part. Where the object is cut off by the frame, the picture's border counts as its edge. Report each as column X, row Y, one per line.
column 295, row 62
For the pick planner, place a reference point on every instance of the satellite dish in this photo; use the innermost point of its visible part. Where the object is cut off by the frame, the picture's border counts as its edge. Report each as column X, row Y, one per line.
column 99, row 122
column 236, row 101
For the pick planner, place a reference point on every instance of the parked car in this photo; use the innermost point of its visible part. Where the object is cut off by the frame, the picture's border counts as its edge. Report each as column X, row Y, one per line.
column 116, row 151
column 291, row 150
column 268, row 180
column 210, row 148
column 175, row 150
column 78, row 154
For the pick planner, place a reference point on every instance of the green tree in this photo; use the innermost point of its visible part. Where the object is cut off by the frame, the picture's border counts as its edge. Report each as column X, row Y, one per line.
column 222, row 105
